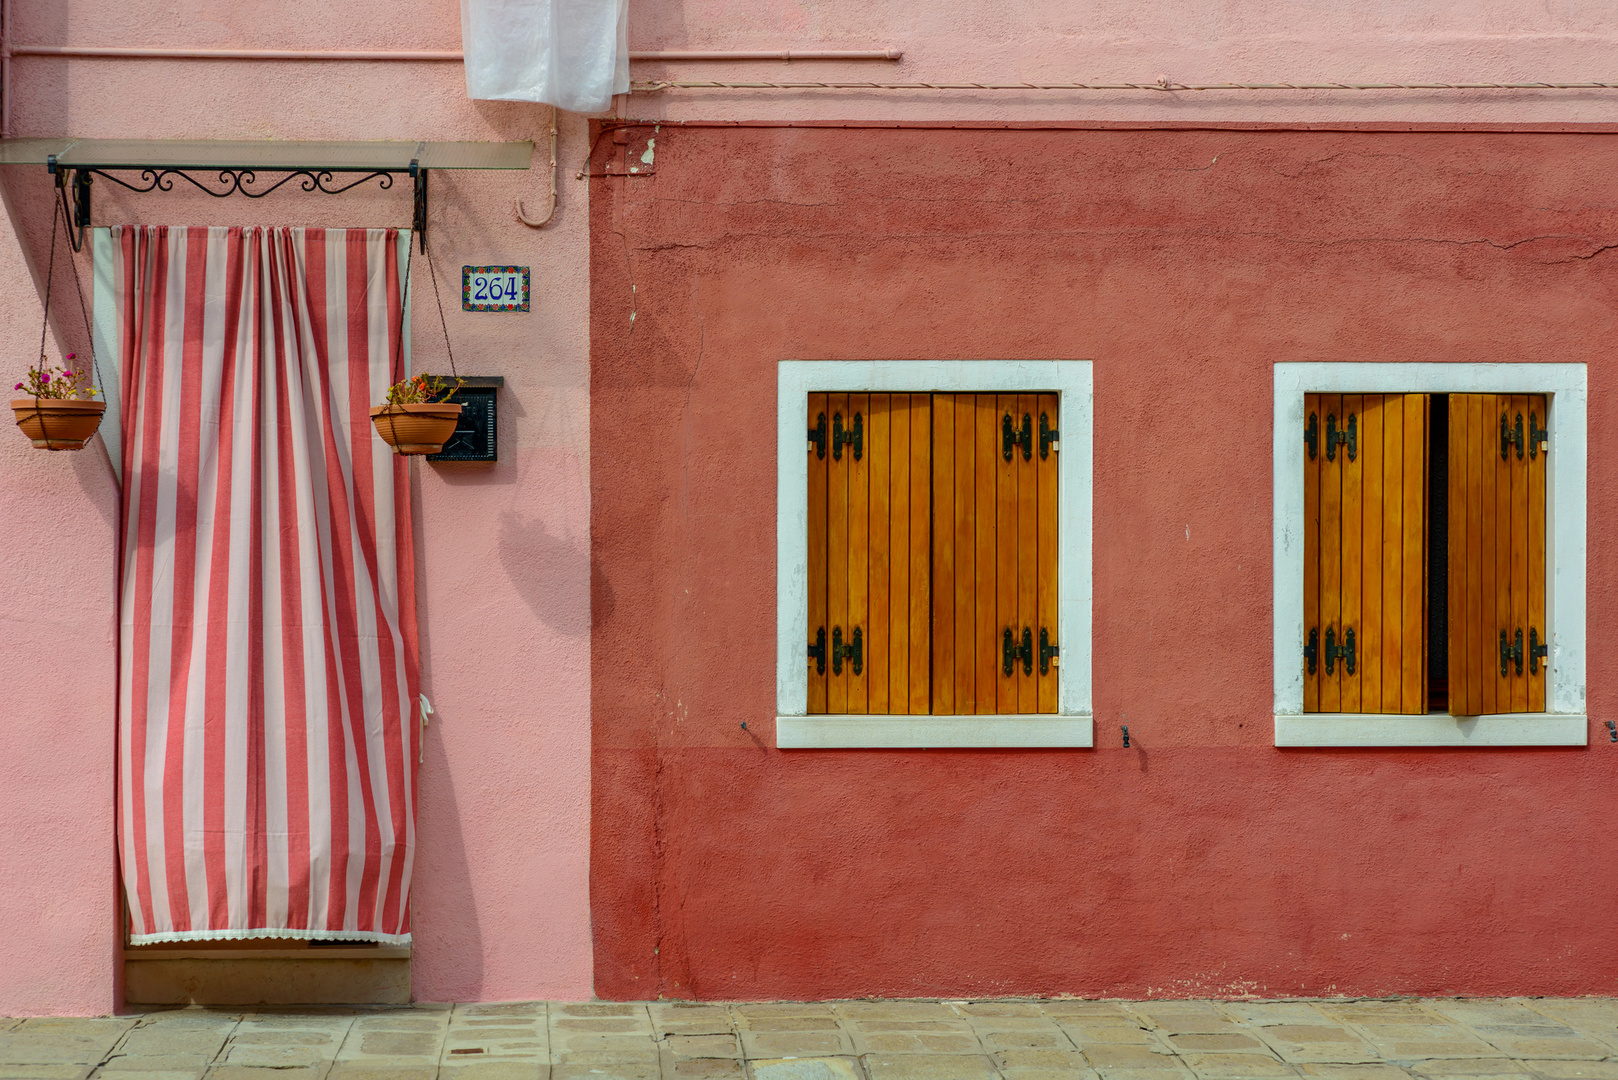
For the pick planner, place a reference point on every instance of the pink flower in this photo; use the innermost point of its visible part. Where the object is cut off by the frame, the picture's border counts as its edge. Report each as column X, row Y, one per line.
column 17, row 387
column 44, row 377
column 71, row 355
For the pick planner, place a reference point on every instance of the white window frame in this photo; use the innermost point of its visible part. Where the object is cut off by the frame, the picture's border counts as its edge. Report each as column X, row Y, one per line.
column 1564, row 723
column 1071, row 725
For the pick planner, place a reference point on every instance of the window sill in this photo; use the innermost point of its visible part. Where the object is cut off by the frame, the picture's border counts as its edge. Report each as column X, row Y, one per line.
column 932, row 732
column 1434, row 729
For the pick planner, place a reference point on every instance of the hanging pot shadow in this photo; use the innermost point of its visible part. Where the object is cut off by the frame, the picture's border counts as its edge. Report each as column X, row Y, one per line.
column 551, row 573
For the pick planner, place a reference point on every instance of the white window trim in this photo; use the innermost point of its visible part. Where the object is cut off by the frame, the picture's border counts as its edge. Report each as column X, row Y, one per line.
column 797, row 379
column 1564, row 723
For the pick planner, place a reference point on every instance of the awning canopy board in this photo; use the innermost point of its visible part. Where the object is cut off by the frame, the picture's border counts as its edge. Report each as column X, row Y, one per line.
column 289, row 155
column 234, row 165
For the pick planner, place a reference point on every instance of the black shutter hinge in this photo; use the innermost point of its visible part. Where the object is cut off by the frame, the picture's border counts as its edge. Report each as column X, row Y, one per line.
column 1537, row 650
column 817, row 436
column 1049, row 438
column 1510, row 437
column 1311, row 649
column 817, row 651
column 1311, row 436
column 1343, row 652
column 1011, row 652
column 1047, row 651
column 854, row 436
column 1348, row 436
column 1510, row 652
column 1011, row 438
column 1537, row 436
column 853, row 652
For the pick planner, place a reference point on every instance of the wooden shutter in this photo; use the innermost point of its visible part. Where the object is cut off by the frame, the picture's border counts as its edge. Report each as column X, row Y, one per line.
column 994, row 553
column 1365, row 552
column 1496, row 564
column 868, row 553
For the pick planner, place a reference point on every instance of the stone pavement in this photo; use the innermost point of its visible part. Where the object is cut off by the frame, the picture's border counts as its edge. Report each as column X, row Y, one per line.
column 1428, row 1039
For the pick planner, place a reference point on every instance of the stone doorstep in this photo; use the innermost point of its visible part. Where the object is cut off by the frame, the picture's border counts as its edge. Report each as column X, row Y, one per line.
column 492, row 1070
column 825, row 1068
column 145, row 1063
column 1070, row 1060
column 790, row 1023
column 895, row 1010
column 1245, row 1066
column 1382, row 1071
column 1026, row 1039
column 914, row 1042
column 929, row 1067
column 682, row 1047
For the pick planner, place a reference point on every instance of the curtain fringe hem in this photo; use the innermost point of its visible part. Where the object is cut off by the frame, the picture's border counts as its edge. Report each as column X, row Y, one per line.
column 247, row 935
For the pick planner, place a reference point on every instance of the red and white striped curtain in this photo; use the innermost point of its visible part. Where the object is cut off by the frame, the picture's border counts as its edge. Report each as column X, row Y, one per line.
column 267, row 742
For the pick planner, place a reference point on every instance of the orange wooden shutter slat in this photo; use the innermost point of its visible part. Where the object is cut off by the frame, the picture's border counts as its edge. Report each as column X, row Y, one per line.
column 920, row 545
column 964, row 592
column 1373, row 466
column 1463, row 679
column 1393, row 525
column 1027, row 541
column 878, row 632
column 1535, row 510
column 943, row 553
column 986, row 460
column 1005, row 528
column 1414, row 669
column 1331, row 556
column 1311, row 551
column 1352, row 467
column 899, row 548
column 1048, row 558
column 817, row 553
column 1517, row 517
column 837, row 558
column 859, row 553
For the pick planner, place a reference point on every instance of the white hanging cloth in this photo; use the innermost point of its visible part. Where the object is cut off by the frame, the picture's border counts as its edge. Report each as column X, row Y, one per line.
column 573, row 54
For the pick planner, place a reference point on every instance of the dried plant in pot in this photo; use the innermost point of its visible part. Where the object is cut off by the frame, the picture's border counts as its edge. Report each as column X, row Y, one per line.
column 417, row 418
column 59, row 412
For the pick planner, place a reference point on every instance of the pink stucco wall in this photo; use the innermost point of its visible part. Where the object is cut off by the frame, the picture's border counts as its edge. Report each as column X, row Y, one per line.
column 501, row 904
column 502, row 894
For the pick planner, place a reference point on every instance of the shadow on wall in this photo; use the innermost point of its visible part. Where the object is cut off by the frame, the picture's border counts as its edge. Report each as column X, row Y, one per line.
column 549, row 573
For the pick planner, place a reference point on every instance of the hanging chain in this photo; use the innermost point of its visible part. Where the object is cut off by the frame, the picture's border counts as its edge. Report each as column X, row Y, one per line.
column 404, row 312
column 84, row 310
column 50, row 275
column 432, row 272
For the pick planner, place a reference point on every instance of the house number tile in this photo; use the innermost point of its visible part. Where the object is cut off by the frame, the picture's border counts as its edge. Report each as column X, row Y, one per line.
column 494, row 288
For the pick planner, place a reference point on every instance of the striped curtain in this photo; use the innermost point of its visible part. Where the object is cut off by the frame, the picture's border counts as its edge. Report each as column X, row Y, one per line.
column 267, row 656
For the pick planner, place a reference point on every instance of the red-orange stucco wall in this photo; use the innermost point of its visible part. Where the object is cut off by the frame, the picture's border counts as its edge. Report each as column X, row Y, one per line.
column 1201, row 860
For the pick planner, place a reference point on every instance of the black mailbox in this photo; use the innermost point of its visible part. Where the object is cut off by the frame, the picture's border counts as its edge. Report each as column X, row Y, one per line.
column 477, row 435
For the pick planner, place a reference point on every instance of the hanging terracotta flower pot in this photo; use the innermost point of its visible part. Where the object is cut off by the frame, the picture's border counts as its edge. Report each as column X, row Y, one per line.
column 58, row 413
column 416, row 419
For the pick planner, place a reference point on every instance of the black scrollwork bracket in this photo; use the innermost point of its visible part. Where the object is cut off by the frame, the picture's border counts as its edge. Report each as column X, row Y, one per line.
column 225, row 182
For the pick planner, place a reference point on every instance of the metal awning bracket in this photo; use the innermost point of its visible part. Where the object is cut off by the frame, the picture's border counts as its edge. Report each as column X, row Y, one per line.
column 418, row 218
column 221, row 168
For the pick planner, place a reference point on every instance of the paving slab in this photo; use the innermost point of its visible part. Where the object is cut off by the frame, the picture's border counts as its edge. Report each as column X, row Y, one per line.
column 929, row 1067
column 914, row 1042
column 495, row 1070
column 869, row 1039
column 826, row 1068
column 1354, row 1072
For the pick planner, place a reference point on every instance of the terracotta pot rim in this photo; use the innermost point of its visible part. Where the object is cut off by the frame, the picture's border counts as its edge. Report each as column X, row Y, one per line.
column 46, row 404
column 440, row 408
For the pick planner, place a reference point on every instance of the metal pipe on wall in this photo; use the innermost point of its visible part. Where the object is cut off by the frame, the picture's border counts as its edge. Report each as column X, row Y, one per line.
column 120, row 52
